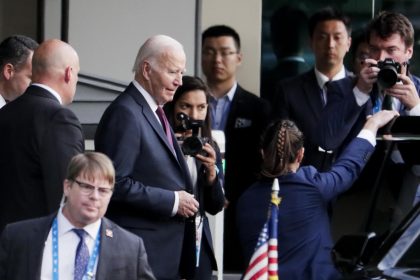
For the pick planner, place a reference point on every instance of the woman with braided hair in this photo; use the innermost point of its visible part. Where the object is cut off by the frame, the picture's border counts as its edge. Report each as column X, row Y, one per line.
column 304, row 239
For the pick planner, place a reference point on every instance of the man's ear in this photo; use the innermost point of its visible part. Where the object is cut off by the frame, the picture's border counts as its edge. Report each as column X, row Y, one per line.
column 66, row 187
column 68, row 74
column 8, row 71
column 146, row 68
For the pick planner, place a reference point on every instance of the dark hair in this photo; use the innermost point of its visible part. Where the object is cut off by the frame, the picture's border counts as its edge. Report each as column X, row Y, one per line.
column 15, row 50
column 190, row 83
column 288, row 40
column 222, row 30
column 358, row 37
column 280, row 144
column 325, row 14
column 386, row 24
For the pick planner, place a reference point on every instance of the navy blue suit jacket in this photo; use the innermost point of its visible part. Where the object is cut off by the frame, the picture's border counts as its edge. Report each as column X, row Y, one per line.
column 248, row 116
column 147, row 175
column 299, row 99
column 121, row 255
column 39, row 136
column 304, row 238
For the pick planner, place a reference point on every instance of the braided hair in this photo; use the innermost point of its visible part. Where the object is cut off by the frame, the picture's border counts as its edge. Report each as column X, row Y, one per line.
column 280, row 144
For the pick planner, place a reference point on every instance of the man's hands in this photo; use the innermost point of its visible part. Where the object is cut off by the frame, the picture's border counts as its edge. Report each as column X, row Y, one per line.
column 367, row 76
column 405, row 90
column 188, row 205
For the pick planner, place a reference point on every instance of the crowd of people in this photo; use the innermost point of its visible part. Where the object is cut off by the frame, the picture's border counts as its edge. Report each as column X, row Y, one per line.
column 157, row 170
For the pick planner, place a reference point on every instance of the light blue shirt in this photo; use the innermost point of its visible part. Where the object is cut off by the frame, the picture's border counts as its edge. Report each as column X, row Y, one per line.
column 220, row 107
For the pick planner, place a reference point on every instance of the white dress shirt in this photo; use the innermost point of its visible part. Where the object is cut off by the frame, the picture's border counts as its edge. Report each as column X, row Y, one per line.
column 67, row 245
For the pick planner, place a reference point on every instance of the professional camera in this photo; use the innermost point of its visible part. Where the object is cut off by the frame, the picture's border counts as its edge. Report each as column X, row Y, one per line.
column 388, row 73
column 194, row 144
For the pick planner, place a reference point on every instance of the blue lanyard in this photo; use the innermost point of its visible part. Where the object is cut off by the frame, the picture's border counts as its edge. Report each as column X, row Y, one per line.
column 92, row 260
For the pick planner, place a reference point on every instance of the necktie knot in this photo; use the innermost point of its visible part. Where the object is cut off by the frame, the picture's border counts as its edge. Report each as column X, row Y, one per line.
column 80, row 233
column 82, row 255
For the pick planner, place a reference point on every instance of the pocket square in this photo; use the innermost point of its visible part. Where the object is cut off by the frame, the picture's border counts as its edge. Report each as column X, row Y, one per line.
column 242, row 123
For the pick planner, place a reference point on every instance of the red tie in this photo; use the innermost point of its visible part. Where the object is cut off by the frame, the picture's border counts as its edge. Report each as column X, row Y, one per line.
column 165, row 125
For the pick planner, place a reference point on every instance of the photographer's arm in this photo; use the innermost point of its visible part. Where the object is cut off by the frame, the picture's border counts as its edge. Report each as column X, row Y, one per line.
column 367, row 76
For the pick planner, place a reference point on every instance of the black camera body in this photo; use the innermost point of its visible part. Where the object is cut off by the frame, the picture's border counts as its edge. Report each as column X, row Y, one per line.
column 388, row 72
column 194, row 144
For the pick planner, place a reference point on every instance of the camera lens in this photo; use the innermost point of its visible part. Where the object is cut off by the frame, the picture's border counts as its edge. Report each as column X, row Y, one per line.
column 192, row 146
column 387, row 77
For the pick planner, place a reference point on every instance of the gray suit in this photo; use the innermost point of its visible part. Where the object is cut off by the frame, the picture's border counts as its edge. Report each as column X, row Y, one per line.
column 121, row 256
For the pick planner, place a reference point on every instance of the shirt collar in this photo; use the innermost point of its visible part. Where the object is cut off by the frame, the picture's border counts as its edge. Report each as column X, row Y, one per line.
column 64, row 225
column 2, row 101
column 230, row 94
column 322, row 79
column 50, row 90
column 149, row 99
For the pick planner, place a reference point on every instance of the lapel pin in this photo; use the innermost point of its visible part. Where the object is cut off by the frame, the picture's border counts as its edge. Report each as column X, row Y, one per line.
column 109, row 233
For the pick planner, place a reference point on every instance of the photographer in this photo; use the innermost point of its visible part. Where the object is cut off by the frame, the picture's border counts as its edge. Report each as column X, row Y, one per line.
column 391, row 39
column 188, row 115
column 384, row 82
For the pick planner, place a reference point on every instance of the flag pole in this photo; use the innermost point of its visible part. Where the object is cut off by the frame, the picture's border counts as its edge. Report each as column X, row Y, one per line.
column 273, row 220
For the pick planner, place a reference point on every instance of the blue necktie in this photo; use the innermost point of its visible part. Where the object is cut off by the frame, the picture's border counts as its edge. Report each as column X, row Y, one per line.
column 82, row 255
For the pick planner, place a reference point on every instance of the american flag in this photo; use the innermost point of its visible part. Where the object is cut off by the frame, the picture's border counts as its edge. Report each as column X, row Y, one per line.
column 263, row 264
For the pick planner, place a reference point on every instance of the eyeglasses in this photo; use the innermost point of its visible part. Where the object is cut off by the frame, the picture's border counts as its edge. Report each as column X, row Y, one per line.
column 211, row 53
column 88, row 189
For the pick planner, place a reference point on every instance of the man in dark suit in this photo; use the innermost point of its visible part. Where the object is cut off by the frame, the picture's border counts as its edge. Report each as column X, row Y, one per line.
column 34, row 249
column 302, row 98
column 390, row 36
column 39, row 136
column 153, row 193
column 15, row 66
column 241, row 115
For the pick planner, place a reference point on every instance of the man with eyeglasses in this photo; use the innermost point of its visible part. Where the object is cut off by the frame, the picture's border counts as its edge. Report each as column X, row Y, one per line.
column 241, row 115
column 77, row 242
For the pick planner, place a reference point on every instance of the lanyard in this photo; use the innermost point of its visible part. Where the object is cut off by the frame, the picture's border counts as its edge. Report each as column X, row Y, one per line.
column 92, row 260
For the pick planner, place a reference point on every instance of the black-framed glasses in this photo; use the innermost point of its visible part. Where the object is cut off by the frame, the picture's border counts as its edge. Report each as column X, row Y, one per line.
column 88, row 189
column 214, row 53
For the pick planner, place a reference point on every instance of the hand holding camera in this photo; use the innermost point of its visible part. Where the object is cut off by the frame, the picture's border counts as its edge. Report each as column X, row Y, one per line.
column 194, row 144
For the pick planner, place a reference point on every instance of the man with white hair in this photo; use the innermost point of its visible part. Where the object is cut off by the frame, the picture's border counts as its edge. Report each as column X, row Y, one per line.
column 152, row 196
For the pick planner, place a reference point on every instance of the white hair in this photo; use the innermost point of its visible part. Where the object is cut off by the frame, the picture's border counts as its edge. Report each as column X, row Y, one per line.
column 153, row 47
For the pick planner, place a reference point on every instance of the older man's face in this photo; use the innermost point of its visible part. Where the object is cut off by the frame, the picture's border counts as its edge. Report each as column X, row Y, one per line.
column 165, row 76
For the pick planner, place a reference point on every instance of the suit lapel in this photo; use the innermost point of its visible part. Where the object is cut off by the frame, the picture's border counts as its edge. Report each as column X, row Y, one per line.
column 106, row 250
column 236, row 101
column 151, row 118
column 36, row 245
column 312, row 93
column 157, row 127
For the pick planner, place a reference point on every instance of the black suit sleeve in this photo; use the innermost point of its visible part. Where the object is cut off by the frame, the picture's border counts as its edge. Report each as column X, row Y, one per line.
column 62, row 140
